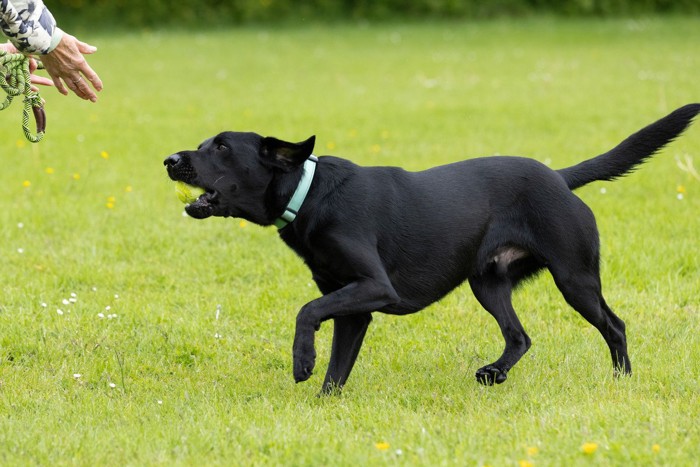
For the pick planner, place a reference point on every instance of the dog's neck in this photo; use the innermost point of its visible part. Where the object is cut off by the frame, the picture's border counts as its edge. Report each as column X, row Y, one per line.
column 295, row 203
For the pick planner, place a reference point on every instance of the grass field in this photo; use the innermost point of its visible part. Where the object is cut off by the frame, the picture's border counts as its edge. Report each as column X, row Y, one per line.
column 111, row 348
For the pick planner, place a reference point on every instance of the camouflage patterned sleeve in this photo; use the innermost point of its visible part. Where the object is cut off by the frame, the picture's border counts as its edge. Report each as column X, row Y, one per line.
column 29, row 25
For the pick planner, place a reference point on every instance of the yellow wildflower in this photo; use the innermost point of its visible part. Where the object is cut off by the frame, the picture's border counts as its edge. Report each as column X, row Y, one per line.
column 104, row 155
column 589, row 448
column 383, row 446
column 26, row 184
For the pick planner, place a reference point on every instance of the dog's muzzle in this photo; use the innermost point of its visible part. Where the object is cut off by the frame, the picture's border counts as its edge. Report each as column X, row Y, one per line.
column 179, row 168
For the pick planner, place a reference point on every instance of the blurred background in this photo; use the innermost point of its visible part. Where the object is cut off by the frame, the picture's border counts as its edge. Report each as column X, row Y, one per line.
column 139, row 13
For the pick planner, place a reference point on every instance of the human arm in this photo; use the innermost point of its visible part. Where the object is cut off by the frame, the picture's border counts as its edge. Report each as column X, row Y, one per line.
column 32, row 29
column 29, row 25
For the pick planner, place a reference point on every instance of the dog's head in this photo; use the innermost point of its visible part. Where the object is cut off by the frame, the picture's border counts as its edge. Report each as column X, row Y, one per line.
column 243, row 174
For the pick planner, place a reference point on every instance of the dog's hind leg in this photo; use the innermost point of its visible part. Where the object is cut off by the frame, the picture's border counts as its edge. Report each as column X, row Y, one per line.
column 494, row 292
column 581, row 288
column 348, row 333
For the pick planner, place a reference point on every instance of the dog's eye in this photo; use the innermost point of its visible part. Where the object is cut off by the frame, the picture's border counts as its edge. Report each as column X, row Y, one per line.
column 221, row 147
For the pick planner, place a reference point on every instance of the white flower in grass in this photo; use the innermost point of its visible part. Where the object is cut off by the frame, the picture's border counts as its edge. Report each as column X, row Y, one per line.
column 77, row 375
column 100, row 315
column 116, row 296
column 112, row 385
column 65, row 301
column 107, row 308
column 43, row 305
column 160, row 402
column 20, row 225
column 603, row 191
column 59, row 311
column 20, row 250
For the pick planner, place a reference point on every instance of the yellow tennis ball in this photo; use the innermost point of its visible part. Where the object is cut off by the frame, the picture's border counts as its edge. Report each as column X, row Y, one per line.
column 188, row 194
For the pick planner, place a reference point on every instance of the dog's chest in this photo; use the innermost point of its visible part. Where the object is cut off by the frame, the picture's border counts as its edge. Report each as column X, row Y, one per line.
column 329, row 269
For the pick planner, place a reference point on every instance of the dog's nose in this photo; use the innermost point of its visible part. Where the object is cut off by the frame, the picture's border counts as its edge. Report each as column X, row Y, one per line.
column 173, row 160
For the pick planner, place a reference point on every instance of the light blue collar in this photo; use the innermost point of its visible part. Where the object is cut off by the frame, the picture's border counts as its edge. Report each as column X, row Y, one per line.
column 307, row 176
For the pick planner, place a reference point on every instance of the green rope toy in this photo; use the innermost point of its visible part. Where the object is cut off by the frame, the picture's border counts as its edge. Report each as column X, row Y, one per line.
column 15, row 79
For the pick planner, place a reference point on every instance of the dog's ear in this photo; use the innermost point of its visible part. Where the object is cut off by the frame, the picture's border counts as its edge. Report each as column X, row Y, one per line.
column 285, row 155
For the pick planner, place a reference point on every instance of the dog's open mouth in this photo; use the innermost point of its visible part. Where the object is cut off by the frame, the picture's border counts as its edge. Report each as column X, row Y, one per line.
column 204, row 206
column 180, row 170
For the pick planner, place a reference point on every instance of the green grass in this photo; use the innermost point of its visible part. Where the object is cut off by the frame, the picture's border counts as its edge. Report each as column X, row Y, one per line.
column 412, row 95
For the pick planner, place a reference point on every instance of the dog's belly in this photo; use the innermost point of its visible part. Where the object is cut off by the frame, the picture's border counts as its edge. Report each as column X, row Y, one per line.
column 422, row 286
column 418, row 285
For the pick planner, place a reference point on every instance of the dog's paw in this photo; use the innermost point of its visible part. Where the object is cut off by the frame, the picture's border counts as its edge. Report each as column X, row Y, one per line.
column 490, row 374
column 304, row 363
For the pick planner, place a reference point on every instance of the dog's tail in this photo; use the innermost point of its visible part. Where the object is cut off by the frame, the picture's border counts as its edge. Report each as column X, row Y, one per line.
column 633, row 151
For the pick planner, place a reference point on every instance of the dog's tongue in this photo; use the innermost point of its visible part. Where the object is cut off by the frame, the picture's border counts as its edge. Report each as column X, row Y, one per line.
column 201, row 208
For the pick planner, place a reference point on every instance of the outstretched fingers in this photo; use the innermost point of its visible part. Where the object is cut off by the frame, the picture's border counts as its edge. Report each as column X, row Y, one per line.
column 69, row 69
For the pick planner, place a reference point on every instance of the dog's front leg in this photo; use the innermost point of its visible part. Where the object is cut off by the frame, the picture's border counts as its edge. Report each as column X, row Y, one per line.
column 357, row 298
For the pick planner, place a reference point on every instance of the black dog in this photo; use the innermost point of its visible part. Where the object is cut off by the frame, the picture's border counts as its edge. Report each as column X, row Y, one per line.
column 384, row 239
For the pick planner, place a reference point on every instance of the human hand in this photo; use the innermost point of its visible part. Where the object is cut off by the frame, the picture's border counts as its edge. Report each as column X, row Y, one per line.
column 67, row 67
column 35, row 79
